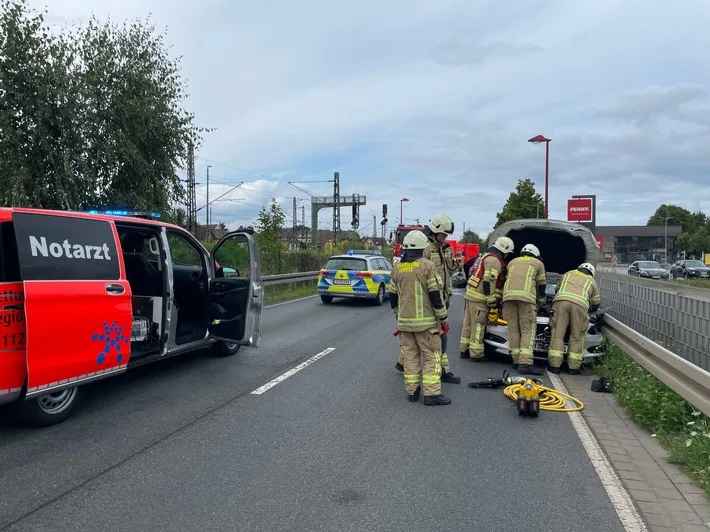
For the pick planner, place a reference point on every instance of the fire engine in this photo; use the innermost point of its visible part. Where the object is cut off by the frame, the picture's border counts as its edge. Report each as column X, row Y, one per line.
column 399, row 234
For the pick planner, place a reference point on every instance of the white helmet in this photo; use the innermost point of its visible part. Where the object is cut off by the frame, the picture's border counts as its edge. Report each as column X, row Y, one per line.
column 531, row 249
column 504, row 245
column 441, row 224
column 588, row 267
column 415, row 240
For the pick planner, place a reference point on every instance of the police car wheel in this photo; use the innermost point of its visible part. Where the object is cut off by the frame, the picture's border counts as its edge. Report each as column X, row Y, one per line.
column 380, row 295
column 225, row 349
column 326, row 299
column 49, row 409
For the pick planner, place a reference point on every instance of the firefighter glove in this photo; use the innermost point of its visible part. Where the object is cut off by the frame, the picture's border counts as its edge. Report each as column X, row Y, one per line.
column 444, row 328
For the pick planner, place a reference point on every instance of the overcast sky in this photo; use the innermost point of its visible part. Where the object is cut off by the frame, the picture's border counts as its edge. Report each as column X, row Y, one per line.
column 434, row 100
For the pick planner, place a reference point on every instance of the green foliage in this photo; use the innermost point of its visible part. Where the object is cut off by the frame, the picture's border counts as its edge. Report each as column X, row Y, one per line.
column 695, row 238
column 287, row 292
column 471, row 237
column 679, row 427
column 524, row 202
column 89, row 118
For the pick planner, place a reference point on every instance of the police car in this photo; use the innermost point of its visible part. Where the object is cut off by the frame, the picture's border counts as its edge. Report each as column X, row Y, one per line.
column 358, row 274
column 88, row 295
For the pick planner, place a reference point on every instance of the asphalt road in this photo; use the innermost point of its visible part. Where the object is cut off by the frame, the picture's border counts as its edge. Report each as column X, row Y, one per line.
column 184, row 445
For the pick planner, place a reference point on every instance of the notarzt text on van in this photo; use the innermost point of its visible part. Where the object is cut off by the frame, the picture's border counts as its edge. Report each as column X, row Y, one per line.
column 65, row 249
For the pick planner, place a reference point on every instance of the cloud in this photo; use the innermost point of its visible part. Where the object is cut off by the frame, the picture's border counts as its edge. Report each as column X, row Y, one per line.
column 435, row 100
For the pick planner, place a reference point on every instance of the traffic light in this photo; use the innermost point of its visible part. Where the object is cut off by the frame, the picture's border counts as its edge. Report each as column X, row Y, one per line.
column 384, row 214
column 355, row 222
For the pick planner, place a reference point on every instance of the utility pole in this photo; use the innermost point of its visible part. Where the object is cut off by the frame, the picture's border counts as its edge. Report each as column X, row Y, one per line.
column 665, row 245
column 374, row 228
column 207, row 214
column 191, row 191
column 303, row 218
column 295, row 219
column 336, row 206
column 464, row 227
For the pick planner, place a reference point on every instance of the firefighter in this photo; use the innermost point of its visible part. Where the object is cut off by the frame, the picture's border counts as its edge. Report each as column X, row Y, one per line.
column 523, row 294
column 416, row 296
column 577, row 295
column 483, row 292
column 439, row 252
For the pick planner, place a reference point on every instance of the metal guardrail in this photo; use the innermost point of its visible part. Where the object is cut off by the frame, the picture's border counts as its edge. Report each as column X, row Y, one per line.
column 676, row 321
column 688, row 380
column 283, row 278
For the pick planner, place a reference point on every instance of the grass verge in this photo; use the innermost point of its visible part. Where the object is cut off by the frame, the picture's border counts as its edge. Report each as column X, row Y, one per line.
column 700, row 283
column 281, row 293
column 680, row 428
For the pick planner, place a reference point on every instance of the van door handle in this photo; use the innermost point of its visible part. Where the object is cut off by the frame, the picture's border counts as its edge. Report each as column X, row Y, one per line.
column 115, row 289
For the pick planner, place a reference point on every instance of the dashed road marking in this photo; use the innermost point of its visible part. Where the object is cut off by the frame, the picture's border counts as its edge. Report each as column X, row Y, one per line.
column 292, row 371
column 620, row 498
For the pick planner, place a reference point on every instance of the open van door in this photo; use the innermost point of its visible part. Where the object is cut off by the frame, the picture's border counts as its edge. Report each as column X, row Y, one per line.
column 236, row 293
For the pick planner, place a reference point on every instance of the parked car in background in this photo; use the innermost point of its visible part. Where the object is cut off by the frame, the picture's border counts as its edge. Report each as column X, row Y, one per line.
column 649, row 269
column 690, row 269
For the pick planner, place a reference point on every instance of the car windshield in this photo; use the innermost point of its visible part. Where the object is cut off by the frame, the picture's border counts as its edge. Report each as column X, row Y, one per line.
column 346, row 263
column 694, row 264
column 649, row 264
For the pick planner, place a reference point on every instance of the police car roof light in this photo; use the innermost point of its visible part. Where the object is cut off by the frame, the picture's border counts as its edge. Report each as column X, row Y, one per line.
column 134, row 214
column 364, row 252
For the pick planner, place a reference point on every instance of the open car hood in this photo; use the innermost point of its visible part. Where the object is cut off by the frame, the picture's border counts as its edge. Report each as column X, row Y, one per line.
column 563, row 245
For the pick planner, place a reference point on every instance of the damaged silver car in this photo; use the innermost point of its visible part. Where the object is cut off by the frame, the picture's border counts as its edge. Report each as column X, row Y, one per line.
column 563, row 246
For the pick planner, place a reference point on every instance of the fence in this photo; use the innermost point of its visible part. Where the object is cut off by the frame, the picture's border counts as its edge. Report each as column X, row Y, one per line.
column 675, row 321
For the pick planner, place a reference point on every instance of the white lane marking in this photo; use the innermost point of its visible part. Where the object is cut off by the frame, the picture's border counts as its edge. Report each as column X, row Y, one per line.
column 292, row 301
column 620, row 498
column 292, row 371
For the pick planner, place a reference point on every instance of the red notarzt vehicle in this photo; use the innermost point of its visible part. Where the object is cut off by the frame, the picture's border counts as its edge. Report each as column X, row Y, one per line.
column 399, row 235
column 84, row 296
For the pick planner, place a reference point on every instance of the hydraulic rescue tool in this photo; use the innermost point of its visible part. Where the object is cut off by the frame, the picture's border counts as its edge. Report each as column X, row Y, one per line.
column 531, row 395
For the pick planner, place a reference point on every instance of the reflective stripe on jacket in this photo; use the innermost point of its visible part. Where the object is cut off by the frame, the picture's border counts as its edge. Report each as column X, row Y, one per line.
column 444, row 266
column 524, row 275
column 412, row 282
column 490, row 268
column 579, row 288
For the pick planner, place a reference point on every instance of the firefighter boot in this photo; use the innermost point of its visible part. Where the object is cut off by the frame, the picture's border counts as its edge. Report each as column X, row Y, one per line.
column 399, row 367
column 465, row 354
column 529, row 369
column 414, row 397
column 434, row 400
column 554, row 370
column 449, row 377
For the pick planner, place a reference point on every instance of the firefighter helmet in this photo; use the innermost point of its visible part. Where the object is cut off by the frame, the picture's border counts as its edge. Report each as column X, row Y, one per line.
column 415, row 240
column 441, row 224
column 504, row 245
column 587, row 268
column 530, row 249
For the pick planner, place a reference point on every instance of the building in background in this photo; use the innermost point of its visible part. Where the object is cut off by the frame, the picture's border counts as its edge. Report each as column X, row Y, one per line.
column 637, row 242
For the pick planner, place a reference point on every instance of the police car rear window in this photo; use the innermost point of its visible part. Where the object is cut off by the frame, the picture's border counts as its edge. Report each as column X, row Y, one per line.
column 346, row 263
column 65, row 248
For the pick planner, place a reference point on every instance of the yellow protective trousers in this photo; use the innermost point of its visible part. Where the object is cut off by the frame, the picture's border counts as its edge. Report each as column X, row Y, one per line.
column 522, row 328
column 421, row 353
column 474, row 327
column 567, row 314
column 444, row 357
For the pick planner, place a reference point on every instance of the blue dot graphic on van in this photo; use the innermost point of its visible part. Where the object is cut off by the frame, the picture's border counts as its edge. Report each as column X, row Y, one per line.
column 112, row 337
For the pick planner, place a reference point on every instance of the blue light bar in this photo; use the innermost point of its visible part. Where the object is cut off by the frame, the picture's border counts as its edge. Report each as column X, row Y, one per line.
column 135, row 214
column 351, row 251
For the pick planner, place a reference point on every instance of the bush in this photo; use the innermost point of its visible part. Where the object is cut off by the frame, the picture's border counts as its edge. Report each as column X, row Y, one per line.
column 682, row 430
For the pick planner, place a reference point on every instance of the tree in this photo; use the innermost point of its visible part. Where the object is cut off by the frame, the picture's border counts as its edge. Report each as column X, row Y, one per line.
column 524, row 202
column 678, row 216
column 89, row 118
column 270, row 224
column 695, row 237
column 471, row 237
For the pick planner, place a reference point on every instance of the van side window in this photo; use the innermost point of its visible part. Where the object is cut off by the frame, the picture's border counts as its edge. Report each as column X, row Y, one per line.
column 183, row 252
column 9, row 262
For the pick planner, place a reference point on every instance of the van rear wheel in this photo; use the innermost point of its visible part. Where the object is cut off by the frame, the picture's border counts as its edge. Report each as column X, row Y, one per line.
column 225, row 349
column 48, row 409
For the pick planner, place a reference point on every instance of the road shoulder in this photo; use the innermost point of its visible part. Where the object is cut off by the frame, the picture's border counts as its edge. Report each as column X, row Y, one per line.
column 665, row 496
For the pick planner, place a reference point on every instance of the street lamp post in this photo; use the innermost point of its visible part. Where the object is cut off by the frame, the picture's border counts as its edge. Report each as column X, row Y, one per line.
column 401, row 210
column 665, row 245
column 538, row 140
